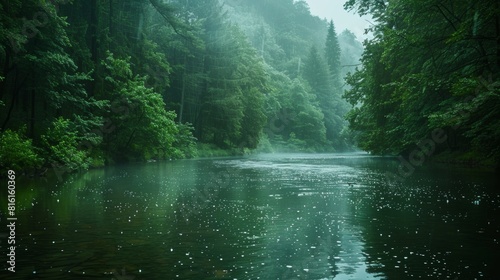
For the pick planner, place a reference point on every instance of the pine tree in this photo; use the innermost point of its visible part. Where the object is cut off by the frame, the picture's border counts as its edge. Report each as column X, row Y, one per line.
column 316, row 74
column 332, row 55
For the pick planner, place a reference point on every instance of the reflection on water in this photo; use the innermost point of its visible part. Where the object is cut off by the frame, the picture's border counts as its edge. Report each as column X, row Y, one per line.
column 260, row 217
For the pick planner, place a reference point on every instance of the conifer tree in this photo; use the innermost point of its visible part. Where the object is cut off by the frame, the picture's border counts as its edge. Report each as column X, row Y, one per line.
column 332, row 55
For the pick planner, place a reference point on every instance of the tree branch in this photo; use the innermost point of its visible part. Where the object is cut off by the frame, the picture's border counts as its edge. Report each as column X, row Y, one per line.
column 166, row 12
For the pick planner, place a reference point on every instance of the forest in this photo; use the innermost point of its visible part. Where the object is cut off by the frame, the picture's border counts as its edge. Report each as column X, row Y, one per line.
column 88, row 83
column 429, row 82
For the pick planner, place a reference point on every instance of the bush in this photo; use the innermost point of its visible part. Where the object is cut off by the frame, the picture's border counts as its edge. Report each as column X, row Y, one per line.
column 17, row 153
column 185, row 143
column 264, row 145
column 61, row 146
column 205, row 150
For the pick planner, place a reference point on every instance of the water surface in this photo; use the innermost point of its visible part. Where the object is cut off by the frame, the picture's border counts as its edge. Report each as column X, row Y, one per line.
column 286, row 216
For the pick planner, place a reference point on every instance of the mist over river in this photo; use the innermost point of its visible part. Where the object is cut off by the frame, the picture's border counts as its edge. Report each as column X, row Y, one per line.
column 279, row 216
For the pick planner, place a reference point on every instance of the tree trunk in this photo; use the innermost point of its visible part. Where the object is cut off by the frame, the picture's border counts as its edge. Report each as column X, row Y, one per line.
column 93, row 27
column 5, row 72
column 181, row 109
column 13, row 101
column 111, row 18
column 32, row 120
column 497, row 27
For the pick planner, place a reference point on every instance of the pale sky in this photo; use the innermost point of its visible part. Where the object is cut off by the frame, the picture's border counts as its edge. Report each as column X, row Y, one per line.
column 334, row 9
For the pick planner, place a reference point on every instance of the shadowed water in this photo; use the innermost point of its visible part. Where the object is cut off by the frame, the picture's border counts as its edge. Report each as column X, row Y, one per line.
column 286, row 216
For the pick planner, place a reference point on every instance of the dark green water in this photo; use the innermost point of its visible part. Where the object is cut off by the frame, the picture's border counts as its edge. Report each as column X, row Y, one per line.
column 261, row 217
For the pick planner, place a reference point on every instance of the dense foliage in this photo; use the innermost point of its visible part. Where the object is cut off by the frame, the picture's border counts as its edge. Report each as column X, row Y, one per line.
column 432, row 67
column 85, row 83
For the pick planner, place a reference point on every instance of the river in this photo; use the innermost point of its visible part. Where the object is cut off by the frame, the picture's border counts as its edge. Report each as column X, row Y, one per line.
column 282, row 216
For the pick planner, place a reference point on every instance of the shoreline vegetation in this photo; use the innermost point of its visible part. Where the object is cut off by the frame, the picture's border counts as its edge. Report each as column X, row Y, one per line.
column 88, row 84
column 459, row 159
column 466, row 159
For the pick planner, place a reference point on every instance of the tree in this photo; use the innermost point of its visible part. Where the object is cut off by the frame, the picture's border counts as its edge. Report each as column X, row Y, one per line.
column 351, row 52
column 225, row 98
column 137, row 117
column 295, row 121
column 332, row 55
column 41, row 81
column 317, row 75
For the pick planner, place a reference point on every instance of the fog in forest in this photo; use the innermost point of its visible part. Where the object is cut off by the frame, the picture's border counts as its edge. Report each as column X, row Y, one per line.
column 249, row 139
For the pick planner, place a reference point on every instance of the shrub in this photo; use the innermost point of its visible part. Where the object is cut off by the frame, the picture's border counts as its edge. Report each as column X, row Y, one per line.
column 185, row 143
column 61, row 146
column 17, row 152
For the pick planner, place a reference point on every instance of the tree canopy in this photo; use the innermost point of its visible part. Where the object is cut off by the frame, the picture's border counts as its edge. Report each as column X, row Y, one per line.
column 431, row 65
column 87, row 83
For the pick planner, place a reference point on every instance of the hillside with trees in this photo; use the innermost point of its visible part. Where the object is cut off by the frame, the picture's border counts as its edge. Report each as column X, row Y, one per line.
column 90, row 83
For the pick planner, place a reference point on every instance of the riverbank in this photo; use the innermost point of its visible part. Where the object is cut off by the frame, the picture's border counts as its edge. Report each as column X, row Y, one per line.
column 465, row 159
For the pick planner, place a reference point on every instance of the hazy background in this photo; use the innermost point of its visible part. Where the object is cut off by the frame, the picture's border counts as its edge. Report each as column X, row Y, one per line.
column 334, row 9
